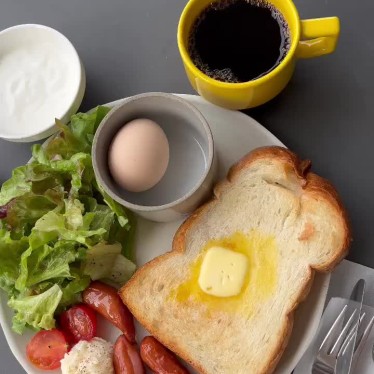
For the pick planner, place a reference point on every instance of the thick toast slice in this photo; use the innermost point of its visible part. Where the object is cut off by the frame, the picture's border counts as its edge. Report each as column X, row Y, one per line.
column 288, row 221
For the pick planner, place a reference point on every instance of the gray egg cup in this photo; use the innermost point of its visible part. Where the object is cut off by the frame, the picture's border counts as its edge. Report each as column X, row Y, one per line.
column 189, row 177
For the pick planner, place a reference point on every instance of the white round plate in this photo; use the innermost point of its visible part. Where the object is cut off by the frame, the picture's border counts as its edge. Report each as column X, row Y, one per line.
column 235, row 134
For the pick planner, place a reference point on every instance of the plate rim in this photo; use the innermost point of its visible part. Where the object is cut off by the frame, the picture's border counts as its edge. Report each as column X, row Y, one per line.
column 325, row 277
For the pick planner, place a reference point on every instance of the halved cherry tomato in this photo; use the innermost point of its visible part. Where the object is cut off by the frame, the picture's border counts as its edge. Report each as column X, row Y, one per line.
column 79, row 323
column 46, row 349
column 105, row 300
column 126, row 357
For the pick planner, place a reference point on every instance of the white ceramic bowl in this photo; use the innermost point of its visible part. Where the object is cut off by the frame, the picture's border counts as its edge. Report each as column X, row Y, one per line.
column 47, row 82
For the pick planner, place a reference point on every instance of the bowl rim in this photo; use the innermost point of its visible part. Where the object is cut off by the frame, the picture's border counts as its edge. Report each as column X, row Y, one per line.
column 209, row 164
column 78, row 89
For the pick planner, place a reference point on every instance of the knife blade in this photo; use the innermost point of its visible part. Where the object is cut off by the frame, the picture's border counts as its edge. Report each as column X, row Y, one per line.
column 345, row 358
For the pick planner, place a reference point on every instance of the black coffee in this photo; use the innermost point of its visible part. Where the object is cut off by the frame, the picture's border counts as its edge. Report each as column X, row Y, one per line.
column 239, row 40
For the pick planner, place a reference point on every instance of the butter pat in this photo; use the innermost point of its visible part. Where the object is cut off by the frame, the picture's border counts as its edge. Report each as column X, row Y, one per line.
column 223, row 272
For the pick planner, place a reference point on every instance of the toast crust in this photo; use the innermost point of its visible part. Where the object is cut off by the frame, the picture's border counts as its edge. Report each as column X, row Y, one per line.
column 311, row 183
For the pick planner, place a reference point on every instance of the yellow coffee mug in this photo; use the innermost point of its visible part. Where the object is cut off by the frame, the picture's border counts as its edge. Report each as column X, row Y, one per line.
column 309, row 38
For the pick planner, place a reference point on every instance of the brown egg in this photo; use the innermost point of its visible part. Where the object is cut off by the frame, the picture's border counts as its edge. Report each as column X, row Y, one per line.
column 139, row 155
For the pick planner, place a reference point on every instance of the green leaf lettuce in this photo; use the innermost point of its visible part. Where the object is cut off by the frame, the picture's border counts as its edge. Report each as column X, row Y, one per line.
column 54, row 219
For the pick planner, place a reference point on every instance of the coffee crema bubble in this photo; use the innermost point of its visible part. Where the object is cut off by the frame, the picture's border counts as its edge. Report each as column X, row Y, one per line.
column 238, row 41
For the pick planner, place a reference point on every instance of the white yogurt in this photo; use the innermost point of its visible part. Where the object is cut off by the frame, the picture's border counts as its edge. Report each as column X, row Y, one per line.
column 39, row 80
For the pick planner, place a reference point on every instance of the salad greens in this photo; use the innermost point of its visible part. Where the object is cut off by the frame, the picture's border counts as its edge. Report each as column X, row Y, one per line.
column 58, row 229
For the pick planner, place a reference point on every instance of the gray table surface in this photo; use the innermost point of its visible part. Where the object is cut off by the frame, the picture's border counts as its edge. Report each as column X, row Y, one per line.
column 325, row 114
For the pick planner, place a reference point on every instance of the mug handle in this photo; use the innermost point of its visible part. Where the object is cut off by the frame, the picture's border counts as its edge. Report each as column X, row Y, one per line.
column 318, row 37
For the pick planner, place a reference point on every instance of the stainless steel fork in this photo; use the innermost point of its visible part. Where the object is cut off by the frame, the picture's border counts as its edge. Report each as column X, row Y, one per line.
column 338, row 339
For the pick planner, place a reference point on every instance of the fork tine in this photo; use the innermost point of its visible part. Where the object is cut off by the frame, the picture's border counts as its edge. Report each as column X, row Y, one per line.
column 339, row 341
column 350, row 335
column 333, row 333
column 362, row 340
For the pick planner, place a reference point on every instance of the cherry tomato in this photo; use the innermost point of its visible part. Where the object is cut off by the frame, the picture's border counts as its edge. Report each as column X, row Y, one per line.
column 79, row 323
column 126, row 358
column 46, row 349
column 105, row 300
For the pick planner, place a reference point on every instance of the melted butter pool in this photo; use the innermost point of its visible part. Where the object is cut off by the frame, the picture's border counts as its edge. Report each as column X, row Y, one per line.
column 260, row 281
